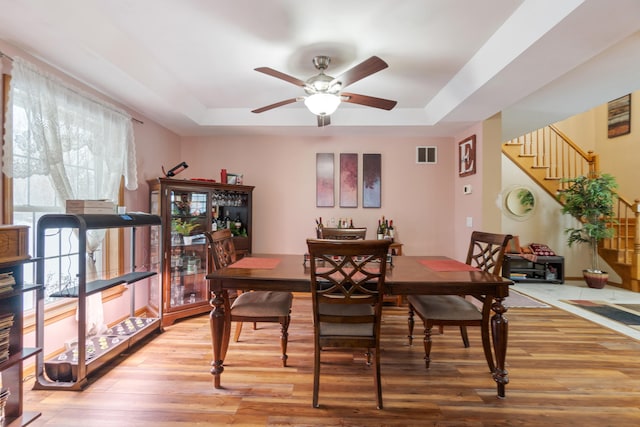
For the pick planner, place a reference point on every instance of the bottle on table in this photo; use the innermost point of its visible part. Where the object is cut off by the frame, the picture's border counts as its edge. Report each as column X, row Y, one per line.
column 319, row 228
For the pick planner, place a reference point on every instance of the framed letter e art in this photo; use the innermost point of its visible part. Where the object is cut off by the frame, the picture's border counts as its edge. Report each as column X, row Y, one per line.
column 467, row 156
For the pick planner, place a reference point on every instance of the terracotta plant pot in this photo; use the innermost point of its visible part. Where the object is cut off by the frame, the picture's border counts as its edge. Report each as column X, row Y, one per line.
column 595, row 280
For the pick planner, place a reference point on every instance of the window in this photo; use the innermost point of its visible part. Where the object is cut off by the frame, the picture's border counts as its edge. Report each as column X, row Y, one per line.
column 35, row 195
column 62, row 144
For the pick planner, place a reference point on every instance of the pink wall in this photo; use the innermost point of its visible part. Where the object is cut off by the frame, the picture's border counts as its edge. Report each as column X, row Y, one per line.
column 466, row 205
column 419, row 198
column 155, row 147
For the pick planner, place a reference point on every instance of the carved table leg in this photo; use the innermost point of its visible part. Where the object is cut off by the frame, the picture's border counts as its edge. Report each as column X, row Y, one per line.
column 499, row 331
column 218, row 323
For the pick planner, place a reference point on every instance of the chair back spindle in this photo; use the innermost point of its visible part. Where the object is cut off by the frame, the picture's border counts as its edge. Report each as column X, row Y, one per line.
column 486, row 251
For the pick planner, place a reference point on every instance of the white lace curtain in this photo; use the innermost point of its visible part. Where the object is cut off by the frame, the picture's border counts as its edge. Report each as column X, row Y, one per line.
column 65, row 124
column 82, row 144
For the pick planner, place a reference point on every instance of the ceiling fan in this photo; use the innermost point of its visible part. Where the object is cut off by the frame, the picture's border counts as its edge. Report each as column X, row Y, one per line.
column 324, row 92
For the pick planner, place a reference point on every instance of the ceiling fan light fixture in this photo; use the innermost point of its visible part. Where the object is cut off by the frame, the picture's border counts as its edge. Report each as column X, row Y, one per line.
column 324, row 92
column 322, row 104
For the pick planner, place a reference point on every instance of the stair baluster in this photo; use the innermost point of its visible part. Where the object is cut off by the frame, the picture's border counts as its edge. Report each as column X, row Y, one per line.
column 548, row 157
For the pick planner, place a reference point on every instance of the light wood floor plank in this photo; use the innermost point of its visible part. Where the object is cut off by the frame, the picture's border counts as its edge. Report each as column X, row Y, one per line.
column 563, row 371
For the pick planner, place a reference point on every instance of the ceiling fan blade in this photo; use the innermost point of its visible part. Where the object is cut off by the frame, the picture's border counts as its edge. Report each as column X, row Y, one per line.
column 369, row 101
column 360, row 71
column 324, row 121
column 280, row 75
column 276, row 105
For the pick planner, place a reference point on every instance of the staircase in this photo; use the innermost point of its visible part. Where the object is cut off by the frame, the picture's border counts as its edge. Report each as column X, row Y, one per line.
column 548, row 156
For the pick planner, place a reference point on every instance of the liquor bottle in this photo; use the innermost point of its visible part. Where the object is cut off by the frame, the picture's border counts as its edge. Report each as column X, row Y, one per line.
column 351, row 223
column 214, row 217
column 380, row 232
column 392, row 231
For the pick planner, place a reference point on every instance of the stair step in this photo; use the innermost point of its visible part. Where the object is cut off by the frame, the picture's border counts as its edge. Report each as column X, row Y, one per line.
column 617, row 259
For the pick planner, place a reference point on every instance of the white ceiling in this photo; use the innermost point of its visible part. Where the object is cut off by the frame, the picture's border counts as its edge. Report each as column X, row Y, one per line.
column 189, row 64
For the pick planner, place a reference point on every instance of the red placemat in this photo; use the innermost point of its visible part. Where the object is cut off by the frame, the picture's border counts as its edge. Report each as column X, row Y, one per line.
column 447, row 265
column 252, row 262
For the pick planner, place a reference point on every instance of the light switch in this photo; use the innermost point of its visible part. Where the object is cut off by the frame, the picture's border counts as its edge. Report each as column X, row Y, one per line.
column 467, row 189
column 469, row 221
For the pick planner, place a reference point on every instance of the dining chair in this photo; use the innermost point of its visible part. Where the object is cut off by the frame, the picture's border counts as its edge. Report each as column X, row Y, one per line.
column 254, row 306
column 343, row 233
column 354, row 234
column 347, row 281
column 486, row 252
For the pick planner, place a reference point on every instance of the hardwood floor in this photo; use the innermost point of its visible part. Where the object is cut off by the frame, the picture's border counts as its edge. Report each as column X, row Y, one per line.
column 564, row 371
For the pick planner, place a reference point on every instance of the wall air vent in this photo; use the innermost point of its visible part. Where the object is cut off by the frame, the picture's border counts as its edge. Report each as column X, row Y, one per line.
column 426, row 155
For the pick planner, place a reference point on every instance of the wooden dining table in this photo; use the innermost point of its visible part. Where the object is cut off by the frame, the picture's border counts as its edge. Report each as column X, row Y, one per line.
column 406, row 275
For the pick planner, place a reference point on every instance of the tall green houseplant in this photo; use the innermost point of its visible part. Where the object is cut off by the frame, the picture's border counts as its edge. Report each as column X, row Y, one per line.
column 590, row 199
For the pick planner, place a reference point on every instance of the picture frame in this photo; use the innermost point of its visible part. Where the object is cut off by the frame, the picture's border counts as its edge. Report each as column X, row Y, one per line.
column 325, row 197
column 619, row 116
column 348, row 180
column 234, row 178
column 371, row 180
column 467, row 156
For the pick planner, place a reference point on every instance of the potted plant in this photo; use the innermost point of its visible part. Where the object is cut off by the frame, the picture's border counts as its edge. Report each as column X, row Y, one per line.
column 590, row 199
column 181, row 229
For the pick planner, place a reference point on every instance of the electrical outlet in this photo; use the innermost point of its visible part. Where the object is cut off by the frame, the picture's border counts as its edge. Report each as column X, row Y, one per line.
column 469, row 221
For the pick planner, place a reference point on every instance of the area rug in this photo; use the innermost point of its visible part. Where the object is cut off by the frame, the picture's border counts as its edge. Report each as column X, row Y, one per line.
column 518, row 300
column 627, row 314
